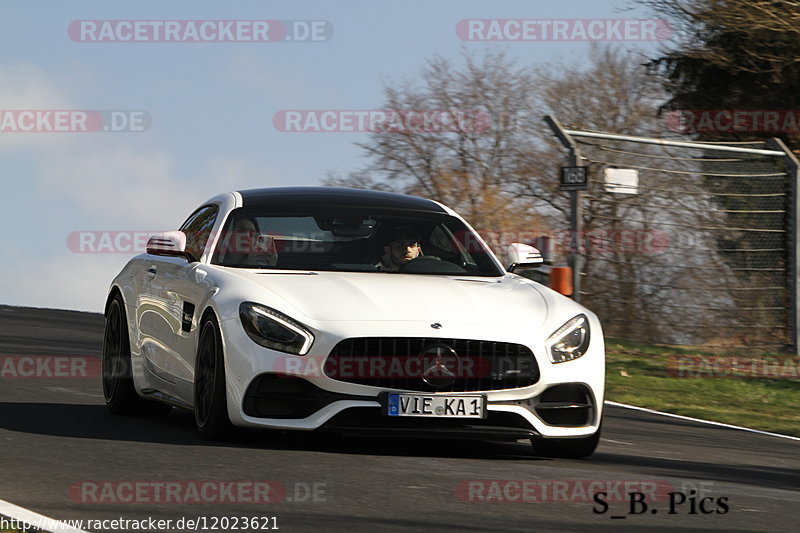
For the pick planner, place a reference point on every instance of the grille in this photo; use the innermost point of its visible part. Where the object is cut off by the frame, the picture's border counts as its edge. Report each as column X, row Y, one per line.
column 281, row 396
column 567, row 405
column 462, row 365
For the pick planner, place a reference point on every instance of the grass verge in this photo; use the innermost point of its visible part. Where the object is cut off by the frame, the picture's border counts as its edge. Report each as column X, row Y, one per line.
column 732, row 389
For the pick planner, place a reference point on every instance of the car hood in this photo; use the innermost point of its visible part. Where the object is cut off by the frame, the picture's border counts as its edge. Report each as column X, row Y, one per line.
column 359, row 296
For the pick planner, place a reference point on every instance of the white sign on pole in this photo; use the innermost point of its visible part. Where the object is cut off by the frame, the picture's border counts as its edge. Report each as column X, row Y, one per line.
column 622, row 180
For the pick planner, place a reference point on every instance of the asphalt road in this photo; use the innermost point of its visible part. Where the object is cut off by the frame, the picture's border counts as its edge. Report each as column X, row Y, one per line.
column 64, row 456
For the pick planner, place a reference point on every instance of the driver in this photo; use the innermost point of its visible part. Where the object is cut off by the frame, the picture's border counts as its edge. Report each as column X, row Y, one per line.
column 403, row 247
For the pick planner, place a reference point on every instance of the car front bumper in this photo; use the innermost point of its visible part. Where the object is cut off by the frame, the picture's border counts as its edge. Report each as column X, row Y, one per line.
column 269, row 389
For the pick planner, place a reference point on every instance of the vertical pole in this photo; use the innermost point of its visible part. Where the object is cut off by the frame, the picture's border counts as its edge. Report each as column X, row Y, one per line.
column 575, row 208
column 793, row 239
column 575, row 228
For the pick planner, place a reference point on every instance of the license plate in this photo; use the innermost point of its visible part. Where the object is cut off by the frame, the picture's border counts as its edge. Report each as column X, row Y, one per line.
column 436, row 406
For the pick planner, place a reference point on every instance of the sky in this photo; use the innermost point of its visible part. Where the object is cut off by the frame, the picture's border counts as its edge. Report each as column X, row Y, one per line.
column 202, row 112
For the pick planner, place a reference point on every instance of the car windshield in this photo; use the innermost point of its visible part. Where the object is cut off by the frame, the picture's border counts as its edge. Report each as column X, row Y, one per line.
column 351, row 240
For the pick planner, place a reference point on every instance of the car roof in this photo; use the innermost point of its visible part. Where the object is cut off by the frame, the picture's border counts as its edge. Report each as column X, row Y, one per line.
column 288, row 197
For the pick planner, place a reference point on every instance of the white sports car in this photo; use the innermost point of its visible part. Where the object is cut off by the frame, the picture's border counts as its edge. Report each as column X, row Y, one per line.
column 316, row 308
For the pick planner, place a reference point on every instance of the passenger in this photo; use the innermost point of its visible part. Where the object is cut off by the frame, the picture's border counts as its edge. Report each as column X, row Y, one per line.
column 247, row 247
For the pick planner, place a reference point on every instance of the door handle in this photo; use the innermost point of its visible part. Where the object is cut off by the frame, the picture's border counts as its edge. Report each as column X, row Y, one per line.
column 151, row 272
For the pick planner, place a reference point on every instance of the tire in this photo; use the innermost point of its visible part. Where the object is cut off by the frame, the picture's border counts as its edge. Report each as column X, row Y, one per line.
column 210, row 397
column 118, row 388
column 566, row 448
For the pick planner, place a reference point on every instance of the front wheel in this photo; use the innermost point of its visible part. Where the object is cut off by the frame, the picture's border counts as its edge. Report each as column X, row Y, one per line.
column 566, row 448
column 210, row 398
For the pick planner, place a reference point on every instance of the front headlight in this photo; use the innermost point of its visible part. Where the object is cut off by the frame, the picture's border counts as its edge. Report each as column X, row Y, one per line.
column 570, row 341
column 274, row 330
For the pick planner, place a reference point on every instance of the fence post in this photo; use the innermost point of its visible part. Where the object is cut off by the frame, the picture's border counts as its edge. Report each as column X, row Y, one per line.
column 793, row 240
column 575, row 207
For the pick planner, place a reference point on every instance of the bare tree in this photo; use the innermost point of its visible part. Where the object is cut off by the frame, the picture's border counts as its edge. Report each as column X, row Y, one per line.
column 614, row 93
column 500, row 170
column 468, row 165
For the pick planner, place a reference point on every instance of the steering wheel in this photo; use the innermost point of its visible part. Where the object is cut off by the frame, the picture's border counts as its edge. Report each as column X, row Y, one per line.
column 430, row 264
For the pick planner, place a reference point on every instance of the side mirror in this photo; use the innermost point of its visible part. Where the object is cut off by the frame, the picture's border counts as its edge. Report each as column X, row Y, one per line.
column 170, row 243
column 523, row 255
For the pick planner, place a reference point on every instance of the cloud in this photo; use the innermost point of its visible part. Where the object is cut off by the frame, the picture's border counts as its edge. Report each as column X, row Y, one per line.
column 90, row 181
column 248, row 70
column 228, row 173
column 120, row 186
column 25, row 86
column 59, row 281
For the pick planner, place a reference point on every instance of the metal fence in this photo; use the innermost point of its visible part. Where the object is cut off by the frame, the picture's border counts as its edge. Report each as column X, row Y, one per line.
column 703, row 253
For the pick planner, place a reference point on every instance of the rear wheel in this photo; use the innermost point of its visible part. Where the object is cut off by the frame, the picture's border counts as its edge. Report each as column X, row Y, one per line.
column 210, row 398
column 118, row 388
column 566, row 448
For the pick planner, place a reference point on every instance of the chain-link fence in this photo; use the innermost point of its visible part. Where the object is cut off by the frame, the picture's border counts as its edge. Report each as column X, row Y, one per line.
column 699, row 252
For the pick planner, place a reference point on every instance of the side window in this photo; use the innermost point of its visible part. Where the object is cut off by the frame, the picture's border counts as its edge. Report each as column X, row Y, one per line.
column 198, row 229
